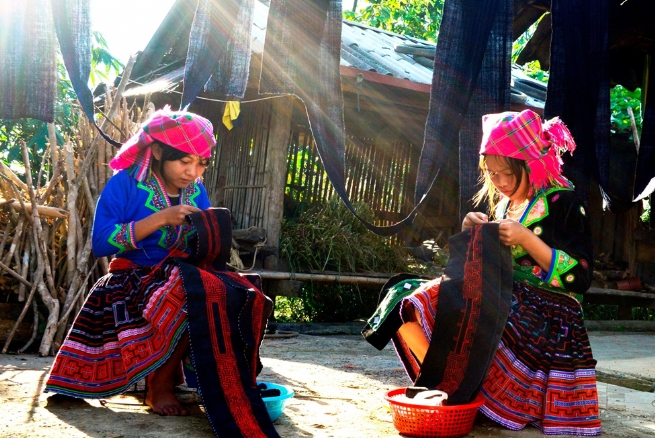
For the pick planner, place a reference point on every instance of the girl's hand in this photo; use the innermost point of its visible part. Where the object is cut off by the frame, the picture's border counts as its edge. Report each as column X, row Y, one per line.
column 474, row 218
column 176, row 215
column 512, row 232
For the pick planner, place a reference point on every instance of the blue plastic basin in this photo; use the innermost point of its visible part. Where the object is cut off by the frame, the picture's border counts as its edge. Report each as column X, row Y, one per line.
column 275, row 405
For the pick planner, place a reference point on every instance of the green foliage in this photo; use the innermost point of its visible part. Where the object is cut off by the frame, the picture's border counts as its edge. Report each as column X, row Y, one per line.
column 533, row 70
column 600, row 312
column 35, row 132
column 330, row 238
column 645, row 214
column 322, row 302
column 100, row 57
column 521, row 41
column 416, row 18
column 610, row 312
column 620, row 100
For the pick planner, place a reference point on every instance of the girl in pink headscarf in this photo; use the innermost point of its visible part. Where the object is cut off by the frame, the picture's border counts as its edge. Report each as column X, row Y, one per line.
column 133, row 324
column 543, row 372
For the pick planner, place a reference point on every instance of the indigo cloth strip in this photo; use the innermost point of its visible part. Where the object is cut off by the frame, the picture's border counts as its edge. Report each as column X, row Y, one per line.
column 491, row 95
column 473, row 306
column 28, row 81
column 578, row 67
column 462, row 43
column 227, row 318
column 645, row 179
column 301, row 57
column 73, row 26
column 219, row 47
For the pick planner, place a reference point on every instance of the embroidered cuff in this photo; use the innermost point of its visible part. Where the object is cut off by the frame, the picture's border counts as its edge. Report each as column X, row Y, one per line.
column 560, row 264
column 123, row 238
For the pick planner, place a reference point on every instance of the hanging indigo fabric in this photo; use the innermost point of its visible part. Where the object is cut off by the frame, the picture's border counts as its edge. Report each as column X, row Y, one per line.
column 28, row 80
column 219, row 46
column 301, row 57
column 27, row 56
column 73, row 26
column 578, row 67
column 645, row 179
column 491, row 95
column 462, row 43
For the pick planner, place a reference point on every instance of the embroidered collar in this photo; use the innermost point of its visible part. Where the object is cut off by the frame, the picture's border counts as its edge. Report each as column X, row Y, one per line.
column 537, row 210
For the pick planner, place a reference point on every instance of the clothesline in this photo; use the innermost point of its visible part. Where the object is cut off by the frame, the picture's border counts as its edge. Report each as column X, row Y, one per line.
column 219, row 100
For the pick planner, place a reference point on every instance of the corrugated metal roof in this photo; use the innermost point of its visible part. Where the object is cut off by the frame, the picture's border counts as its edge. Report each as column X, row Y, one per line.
column 362, row 47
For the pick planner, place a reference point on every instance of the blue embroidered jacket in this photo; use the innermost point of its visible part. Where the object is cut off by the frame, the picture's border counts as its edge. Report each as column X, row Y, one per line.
column 125, row 201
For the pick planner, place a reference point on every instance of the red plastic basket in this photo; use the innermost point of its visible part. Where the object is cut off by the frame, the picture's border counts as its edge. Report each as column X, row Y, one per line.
column 432, row 421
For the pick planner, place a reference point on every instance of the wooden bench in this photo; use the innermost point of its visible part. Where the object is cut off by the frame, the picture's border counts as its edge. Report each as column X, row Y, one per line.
column 289, row 284
column 625, row 299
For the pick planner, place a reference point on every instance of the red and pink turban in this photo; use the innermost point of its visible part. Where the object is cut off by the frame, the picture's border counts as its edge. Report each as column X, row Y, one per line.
column 181, row 130
column 523, row 136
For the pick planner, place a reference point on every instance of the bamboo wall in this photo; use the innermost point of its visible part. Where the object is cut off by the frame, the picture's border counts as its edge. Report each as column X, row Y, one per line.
column 235, row 179
column 380, row 172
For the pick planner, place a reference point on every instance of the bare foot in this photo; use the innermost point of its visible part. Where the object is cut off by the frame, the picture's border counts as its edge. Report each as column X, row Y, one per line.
column 161, row 396
column 162, row 399
column 165, row 403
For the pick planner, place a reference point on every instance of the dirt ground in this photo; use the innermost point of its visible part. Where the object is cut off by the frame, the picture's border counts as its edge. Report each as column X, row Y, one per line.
column 338, row 380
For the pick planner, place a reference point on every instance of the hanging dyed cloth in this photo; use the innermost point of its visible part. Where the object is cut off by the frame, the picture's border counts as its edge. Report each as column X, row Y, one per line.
column 578, row 69
column 491, row 95
column 463, row 37
column 301, row 57
column 27, row 60
column 473, row 307
column 645, row 179
column 219, row 47
column 28, row 81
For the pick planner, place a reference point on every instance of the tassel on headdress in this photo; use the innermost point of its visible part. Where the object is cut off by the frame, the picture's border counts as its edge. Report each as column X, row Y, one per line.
column 523, row 136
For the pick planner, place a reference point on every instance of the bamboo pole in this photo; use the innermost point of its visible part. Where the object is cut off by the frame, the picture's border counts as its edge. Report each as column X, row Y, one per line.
column 16, row 240
column 30, row 297
column 325, row 278
column 71, row 200
column 16, row 275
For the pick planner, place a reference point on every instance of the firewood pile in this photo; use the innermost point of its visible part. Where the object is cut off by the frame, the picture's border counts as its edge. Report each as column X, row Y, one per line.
column 46, row 262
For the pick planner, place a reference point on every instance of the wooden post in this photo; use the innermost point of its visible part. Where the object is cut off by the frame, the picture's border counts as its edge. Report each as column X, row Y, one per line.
column 275, row 174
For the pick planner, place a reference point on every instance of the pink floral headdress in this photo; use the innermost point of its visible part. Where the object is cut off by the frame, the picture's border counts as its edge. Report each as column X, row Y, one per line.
column 523, row 136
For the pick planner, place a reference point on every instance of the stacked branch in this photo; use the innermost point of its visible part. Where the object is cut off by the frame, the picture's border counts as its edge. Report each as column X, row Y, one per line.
column 45, row 246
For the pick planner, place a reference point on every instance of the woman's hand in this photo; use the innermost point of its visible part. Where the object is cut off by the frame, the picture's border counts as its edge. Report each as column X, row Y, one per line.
column 169, row 216
column 474, row 218
column 512, row 232
column 176, row 215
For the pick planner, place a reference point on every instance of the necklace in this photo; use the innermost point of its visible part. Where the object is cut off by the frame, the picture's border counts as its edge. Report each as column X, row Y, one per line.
column 516, row 210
